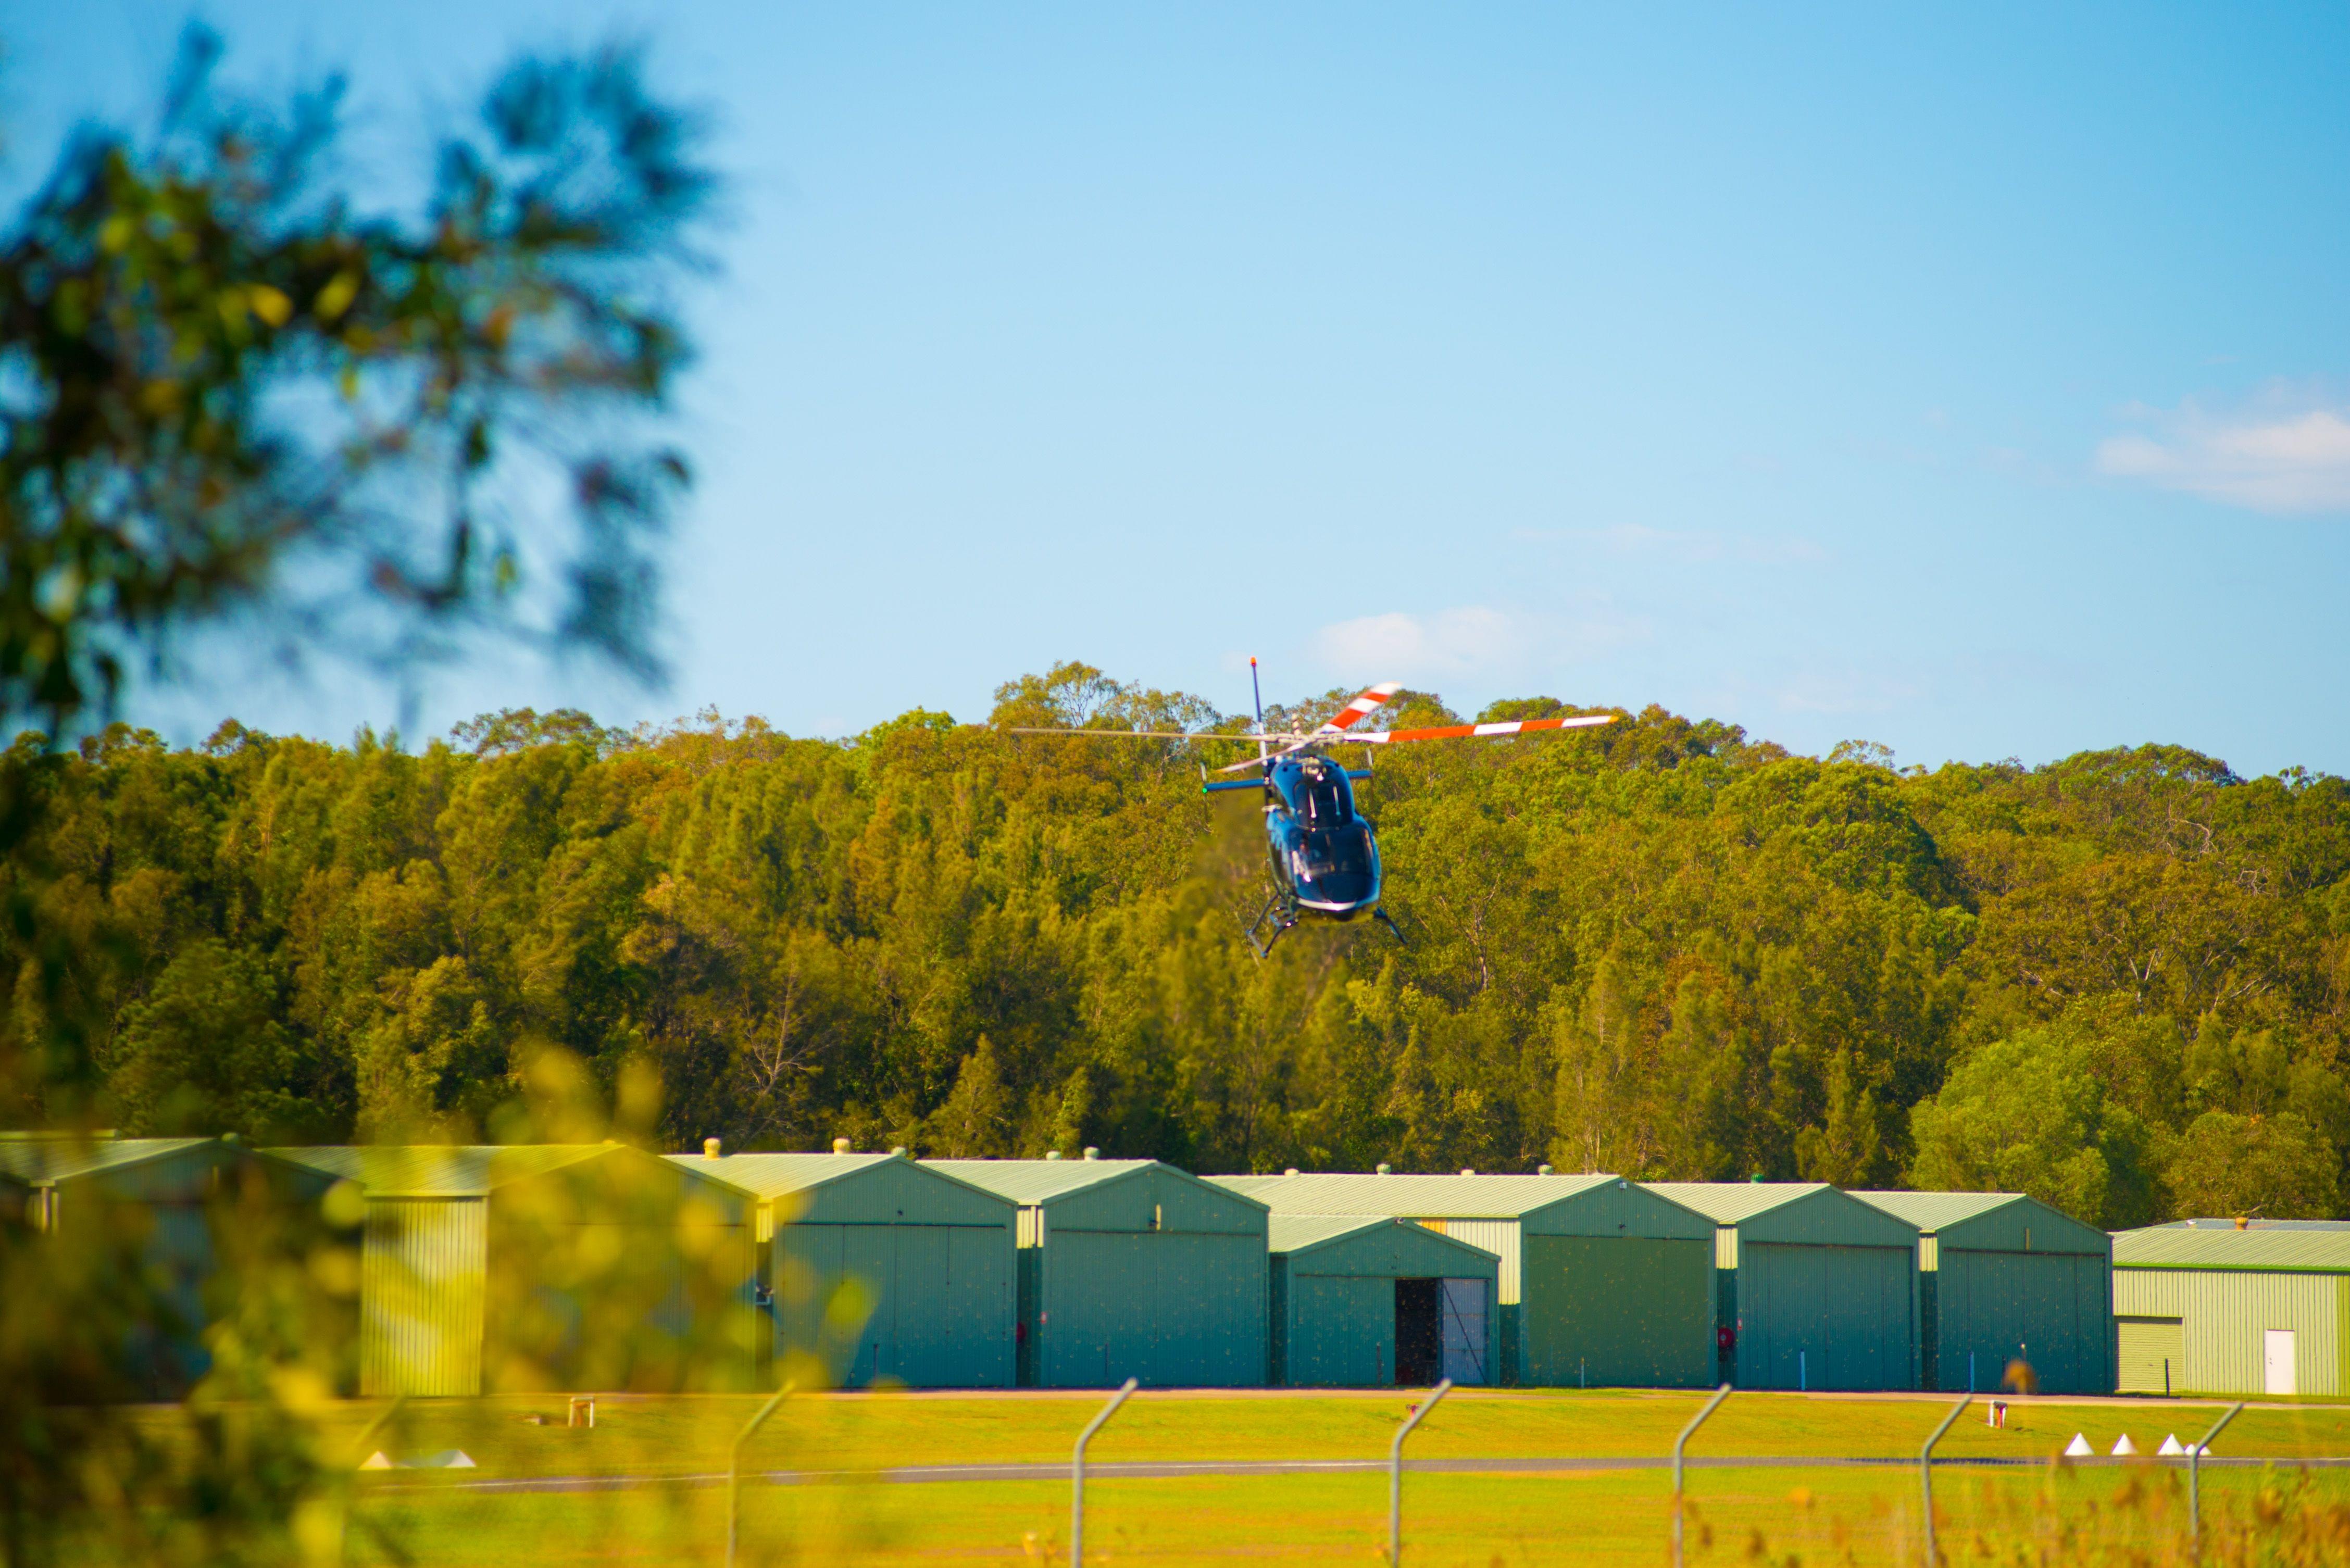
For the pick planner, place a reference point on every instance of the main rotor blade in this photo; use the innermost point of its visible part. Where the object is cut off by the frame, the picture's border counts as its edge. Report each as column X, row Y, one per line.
column 1152, row 735
column 1468, row 731
column 1353, row 712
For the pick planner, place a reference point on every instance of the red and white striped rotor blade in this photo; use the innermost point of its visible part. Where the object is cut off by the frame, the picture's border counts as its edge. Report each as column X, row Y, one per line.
column 1467, row 731
column 1353, row 712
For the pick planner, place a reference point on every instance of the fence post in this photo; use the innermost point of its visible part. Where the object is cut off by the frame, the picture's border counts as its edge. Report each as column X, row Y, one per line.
column 1395, row 1471
column 1078, row 1472
column 734, row 1470
column 1679, row 1444
column 2194, row 1491
column 1926, row 1475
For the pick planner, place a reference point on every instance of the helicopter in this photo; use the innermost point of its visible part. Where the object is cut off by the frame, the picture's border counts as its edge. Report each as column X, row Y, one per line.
column 1322, row 853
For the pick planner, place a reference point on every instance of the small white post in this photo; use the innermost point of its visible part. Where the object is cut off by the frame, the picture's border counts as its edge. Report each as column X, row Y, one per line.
column 1077, row 1473
column 1395, row 1471
column 1679, row 1444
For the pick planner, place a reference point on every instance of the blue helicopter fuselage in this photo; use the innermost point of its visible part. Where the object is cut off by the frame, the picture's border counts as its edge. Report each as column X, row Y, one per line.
column 1326, row 858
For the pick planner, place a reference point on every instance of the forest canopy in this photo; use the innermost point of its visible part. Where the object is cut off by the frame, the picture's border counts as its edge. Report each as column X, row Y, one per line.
column 2116, row 982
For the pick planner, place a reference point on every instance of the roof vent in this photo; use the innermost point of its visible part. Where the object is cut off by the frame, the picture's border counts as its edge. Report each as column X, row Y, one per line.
column 1383, row 1167
column 841, row 1146
column 2243, row 1222
column 710, row 1148
column 1092, row 1153
column 1542, row 1171
column 1466, row 1171
column 1291, row 1171
column 898, row 1150
column 1052, row 1154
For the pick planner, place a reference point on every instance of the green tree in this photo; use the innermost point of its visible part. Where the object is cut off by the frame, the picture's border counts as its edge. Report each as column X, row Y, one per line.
column 2277, row 1166
column 205, row 1054
column 164, row 307
column 2026, row 1114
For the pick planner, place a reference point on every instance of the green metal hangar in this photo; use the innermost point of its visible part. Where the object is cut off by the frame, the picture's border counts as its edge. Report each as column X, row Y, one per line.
column 1129, row 1268
column 1819, row 1289
column 171, row 1198
column 2004, row 1278
column 1599, row 1283
column 887, row 1269
column 1366, row 1302
column 2222, row 1306
column 580, row 1267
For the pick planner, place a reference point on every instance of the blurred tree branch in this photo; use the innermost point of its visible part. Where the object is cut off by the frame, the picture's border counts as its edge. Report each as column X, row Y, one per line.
column 225, row 390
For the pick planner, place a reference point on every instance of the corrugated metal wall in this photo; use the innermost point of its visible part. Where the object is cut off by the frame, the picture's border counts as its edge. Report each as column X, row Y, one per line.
column 422, row 1273
column 1617, row 1311
column 1498, row 1236
column 2224, row 1314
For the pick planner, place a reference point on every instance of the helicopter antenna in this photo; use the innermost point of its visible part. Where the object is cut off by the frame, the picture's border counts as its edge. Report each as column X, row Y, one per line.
column 1257, row 692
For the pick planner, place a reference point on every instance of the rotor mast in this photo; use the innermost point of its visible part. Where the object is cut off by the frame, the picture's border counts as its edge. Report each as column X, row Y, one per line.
column 1257, row 693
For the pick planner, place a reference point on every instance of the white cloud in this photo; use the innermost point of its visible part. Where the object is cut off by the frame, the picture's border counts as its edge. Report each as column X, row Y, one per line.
column 1468, row 641
column 1451, row 642
column 2288, row 456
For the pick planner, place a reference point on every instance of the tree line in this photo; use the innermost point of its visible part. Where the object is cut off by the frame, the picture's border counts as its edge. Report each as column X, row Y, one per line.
column 1662, row 949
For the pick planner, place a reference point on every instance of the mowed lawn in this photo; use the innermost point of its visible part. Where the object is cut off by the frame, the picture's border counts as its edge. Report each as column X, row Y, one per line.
column 686, row 1436
column 1819, row 1513
column 1473, row 1520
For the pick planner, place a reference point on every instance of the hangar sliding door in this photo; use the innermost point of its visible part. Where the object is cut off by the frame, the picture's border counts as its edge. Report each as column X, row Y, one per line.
column 920, row 1304
column 2045, row 1308
column 1828, row 1317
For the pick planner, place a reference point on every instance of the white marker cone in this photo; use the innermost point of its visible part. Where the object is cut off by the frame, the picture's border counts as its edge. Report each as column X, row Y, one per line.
column 376, row 1462
column 2122, row 1446
column 2079, row 1447
column 2171, row 1447
column 448, row 1460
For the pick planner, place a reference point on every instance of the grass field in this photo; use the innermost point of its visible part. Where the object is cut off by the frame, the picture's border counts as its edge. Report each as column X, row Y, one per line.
column 1817, row 1514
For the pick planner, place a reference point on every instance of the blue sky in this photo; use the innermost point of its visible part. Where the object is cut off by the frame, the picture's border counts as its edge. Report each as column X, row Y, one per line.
column 1972, row 382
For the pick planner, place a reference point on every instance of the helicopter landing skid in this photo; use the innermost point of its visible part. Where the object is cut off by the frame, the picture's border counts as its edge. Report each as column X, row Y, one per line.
column 1282, row 917
column 1383, row 918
